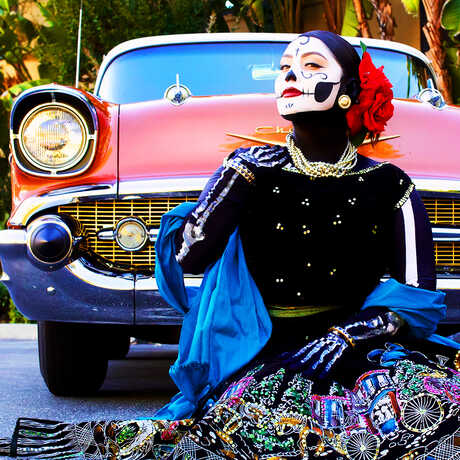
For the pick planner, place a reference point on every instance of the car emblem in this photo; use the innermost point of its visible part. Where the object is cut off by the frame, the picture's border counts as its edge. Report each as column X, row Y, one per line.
column 177, row 94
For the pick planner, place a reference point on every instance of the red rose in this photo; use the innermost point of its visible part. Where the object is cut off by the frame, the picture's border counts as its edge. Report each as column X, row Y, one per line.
column 376, row 117
column 354, row 119
column 374, row 108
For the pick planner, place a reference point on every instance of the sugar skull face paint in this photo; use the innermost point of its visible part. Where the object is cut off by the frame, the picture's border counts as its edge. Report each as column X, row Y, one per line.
column 310, row 77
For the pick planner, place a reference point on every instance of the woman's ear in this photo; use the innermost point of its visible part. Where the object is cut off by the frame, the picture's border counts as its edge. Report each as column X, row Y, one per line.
column 353, row 89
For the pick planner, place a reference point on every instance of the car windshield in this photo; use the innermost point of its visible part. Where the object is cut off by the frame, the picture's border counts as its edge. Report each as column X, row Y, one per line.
column 228, row 68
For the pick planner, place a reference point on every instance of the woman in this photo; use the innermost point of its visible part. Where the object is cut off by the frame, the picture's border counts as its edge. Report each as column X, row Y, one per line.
column 318, row 225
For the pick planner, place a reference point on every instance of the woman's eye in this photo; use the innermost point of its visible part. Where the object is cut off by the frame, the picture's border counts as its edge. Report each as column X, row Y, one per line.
column 285, row 67
column 314, row 65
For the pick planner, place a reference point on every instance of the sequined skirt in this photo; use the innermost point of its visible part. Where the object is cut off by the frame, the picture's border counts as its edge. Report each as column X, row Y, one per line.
column 408, row 408
column 403, row 407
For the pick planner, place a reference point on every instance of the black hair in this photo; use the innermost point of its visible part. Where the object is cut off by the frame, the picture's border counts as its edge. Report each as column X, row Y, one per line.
column 346, row 56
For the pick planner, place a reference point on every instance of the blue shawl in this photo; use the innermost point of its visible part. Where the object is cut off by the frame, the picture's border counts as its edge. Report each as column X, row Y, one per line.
column 226, row 322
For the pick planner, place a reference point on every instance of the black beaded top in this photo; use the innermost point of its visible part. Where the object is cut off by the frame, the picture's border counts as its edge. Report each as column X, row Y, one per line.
column 322, row 241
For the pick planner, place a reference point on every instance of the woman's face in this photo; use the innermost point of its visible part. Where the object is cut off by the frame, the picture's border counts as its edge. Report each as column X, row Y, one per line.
column 310, row 77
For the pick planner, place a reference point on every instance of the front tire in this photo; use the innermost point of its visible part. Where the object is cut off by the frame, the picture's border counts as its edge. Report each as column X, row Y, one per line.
column 73, row 360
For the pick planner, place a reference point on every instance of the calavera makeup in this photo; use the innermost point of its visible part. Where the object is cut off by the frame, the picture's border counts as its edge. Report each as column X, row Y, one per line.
column 310, row 77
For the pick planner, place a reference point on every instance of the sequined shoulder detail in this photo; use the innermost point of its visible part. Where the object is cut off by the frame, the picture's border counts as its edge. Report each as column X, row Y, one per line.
column 405, row 197
column 262, row 155
column 367, row 170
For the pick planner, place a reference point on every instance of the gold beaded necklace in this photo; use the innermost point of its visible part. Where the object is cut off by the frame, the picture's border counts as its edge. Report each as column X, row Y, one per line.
column 346, row 161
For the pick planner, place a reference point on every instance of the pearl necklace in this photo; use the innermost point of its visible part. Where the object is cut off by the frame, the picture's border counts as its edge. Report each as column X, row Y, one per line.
column 346, row 161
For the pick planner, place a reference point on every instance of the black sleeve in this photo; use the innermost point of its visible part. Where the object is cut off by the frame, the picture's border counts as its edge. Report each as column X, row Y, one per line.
column 205, row 232
column 412, row 258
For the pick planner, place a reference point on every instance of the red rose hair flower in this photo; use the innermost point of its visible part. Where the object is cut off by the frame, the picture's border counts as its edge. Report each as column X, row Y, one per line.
column 374, row 108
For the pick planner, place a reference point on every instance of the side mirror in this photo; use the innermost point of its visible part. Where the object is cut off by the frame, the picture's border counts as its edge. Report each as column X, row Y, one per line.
column 431, row 96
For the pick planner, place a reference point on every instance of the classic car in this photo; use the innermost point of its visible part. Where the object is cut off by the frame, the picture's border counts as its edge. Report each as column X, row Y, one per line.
column 92, row 174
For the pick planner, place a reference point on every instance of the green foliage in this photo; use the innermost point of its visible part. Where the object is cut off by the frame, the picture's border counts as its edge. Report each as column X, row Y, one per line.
column 107, row 23
column 450, row 19
column 411, row 6
column 350, row 26
column 16, row 36
column 14, row 315
column 257, row 14
column 4, row 304
column 14, row 91
column 453, row 66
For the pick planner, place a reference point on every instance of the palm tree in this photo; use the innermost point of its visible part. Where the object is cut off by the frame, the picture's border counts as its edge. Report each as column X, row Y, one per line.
column 434, row 34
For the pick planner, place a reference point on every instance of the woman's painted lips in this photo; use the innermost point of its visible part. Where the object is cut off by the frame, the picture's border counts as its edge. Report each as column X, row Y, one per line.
column 291, row 92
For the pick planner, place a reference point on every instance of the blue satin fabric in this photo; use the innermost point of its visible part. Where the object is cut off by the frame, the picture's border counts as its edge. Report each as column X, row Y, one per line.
column 420, row 308
column 225, row 321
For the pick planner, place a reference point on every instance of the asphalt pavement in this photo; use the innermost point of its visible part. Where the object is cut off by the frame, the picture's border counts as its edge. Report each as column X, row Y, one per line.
column 134, row 388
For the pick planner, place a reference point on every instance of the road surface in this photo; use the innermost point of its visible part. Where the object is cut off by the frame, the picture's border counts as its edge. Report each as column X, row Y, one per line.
column 134, row 387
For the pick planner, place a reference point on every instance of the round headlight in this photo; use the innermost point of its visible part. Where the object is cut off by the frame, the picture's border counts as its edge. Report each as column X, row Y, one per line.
column 131, row 234
column 53, row 136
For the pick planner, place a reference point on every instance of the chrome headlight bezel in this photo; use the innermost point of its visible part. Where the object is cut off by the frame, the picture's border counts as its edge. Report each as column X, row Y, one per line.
column 128, row 220
column 79, row 104
column 79, row 119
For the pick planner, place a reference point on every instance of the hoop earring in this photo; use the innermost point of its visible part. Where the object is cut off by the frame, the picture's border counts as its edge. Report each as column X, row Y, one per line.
column 344, row 101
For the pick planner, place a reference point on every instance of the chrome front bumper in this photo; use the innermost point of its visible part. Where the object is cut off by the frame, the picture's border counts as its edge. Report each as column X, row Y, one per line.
column 80, row 293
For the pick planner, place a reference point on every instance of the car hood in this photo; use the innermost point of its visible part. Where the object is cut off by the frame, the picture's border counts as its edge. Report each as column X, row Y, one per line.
column 160, row 140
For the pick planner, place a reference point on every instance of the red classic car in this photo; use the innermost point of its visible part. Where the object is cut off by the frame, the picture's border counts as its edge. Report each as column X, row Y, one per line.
column 92, row 175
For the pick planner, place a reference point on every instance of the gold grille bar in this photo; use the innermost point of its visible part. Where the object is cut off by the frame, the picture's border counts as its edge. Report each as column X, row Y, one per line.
column 443, row 211
column 447, row 253
column 98, row 215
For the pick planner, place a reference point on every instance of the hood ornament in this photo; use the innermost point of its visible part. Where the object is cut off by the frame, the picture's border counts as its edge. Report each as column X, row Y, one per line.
column 177, row 94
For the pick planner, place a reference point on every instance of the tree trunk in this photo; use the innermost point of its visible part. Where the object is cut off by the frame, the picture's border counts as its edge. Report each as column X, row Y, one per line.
column 385, row 18
column 436, row 54
column 362, row 21
column 330, row 19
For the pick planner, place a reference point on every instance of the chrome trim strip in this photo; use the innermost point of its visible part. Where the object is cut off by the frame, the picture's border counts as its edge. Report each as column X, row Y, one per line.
column 100, row 280
column 150, row 283
column 446, row 234
column 34, row 204
column 146, row 187
column 13, row 237
column 437, row 185
column 446, row 230
column 448, row 284
column 105, row 235
column 153, row 234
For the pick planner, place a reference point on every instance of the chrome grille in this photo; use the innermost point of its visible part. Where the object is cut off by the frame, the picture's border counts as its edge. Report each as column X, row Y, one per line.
column 445, row 211
column 97, row 215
